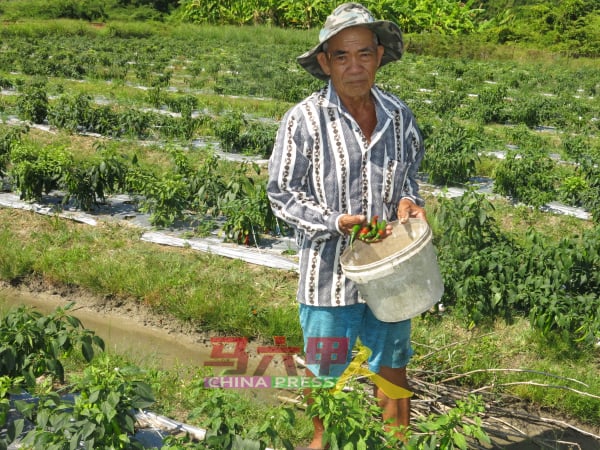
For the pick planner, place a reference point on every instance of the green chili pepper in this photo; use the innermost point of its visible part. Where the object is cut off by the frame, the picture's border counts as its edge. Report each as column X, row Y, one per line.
column 355, row 230
column 373, row 232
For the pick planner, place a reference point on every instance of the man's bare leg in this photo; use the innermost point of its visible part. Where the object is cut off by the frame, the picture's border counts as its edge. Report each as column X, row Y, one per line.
column 397, row 411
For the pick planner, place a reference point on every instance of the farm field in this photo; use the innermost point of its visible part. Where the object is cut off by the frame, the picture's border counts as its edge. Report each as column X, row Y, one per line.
column 88, row 111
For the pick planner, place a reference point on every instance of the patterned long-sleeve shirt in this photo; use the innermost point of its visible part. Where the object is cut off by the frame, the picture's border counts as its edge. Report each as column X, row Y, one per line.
column 322, row 167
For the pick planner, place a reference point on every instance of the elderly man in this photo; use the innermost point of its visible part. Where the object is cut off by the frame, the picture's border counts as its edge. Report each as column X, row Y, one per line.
column 343, row 155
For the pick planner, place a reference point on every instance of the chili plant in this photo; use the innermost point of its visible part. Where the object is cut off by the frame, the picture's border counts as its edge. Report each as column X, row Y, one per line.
column 452, row 154
column 71, row 113
column 218, row 411
column 247, row 208
column 527, row 176
column 37, row 171
column 351, row 419
column 165, row 198
column 89, row 181
column 101, row 413
column 32, row 344
column 9, row 138
column 32, row 104
column 207, row 186
column 14, row 428
column 451, row 430
column 228, row 129
column 591, row 198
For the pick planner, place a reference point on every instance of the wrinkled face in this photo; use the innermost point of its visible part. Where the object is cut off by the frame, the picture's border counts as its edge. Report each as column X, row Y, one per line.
column 351, row 59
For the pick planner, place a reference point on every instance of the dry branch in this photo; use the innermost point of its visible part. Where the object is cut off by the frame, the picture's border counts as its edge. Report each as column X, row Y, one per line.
column 533, row 383
column 546, row 374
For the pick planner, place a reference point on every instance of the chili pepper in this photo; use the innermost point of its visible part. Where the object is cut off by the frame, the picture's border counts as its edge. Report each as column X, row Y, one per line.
column 354, row 233
column 381, row 228
column 374, row 220
column 373, row 232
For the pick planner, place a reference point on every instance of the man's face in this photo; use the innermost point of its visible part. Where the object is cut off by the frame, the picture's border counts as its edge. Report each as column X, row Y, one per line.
column 351, row 60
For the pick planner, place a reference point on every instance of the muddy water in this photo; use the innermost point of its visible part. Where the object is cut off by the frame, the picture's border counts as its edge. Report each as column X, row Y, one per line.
column 144, row 345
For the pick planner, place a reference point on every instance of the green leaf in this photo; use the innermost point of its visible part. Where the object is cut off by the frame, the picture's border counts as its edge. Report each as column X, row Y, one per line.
column 94, row 396
column 459, row 440
column 87, row 350
column 15, row 428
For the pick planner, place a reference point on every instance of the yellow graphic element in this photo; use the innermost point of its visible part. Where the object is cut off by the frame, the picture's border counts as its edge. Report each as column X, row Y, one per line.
column 355, row 368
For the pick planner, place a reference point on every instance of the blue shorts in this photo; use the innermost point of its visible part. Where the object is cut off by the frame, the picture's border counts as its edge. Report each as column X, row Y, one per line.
column 331, row 332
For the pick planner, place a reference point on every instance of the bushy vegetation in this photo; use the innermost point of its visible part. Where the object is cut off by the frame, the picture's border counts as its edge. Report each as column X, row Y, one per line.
column 487, row 274
column 97, row 408
column 570, row 26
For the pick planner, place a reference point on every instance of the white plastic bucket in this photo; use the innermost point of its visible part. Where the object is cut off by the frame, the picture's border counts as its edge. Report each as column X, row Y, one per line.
column 398, row 277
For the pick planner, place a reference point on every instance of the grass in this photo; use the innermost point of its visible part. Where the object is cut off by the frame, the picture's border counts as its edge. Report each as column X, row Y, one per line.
column 509, row 359
column 211, row 293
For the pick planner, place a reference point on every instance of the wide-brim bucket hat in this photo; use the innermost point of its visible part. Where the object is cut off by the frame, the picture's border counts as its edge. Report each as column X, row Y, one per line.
column 351, row 15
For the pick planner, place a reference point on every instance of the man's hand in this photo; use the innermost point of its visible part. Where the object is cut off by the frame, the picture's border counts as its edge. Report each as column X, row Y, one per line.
column 347, row 221
column 408, row 209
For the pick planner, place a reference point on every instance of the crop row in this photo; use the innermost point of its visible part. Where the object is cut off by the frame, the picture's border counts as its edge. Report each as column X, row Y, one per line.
column 537, row 94
column 528, row 174
column 465, row 108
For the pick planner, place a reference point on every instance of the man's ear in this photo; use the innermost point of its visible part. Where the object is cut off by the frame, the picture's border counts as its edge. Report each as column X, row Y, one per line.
column 324, row 63
column 380, row 51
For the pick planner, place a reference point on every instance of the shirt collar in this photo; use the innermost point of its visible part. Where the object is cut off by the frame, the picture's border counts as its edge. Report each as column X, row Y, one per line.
column 330, row 99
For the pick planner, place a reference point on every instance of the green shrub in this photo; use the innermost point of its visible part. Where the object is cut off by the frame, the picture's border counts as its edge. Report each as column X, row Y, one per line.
column 9, row 137
column 452, row 154
column 31, row 344
column 36, row 171
column 491, row 106
column 486, row 275
column 89, row 181
column 32, row 103
column 71, row 112
column 573, row 190
column 101, row 413
column 526, row 176
column 591, row 197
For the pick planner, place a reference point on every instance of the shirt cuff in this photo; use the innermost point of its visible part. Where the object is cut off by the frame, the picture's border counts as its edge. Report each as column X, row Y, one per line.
column 416, row 200
column 337, row 223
